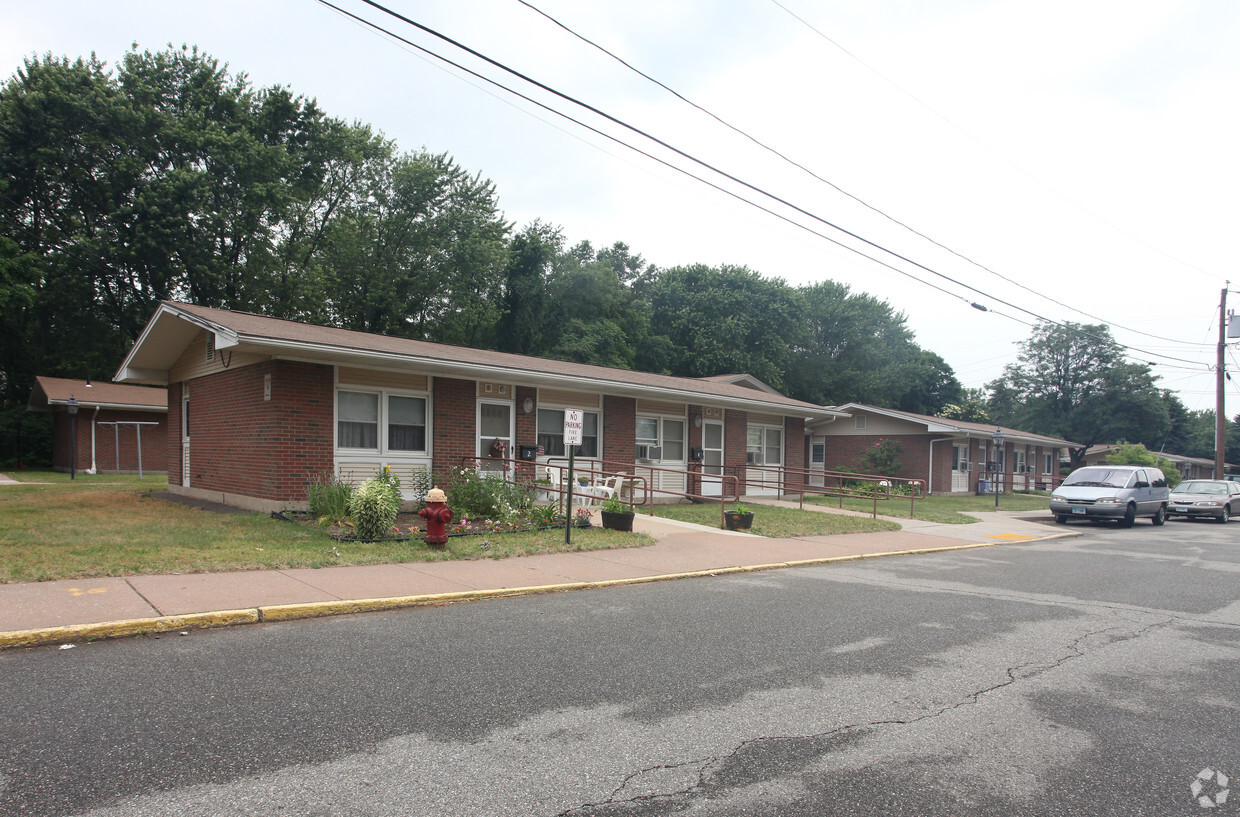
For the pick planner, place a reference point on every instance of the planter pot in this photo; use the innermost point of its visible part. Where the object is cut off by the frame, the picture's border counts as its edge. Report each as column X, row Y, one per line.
column 735, row 520
column 584, row 523
column 617, row 521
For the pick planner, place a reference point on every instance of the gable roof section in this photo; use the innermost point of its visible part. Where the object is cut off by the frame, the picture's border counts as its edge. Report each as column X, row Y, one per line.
column 56, row 391
column 940, row 425
column 175, row 325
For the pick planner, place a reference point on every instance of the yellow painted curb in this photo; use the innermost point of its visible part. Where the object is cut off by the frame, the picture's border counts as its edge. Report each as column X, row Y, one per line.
column 127, row 627
column 291, row 612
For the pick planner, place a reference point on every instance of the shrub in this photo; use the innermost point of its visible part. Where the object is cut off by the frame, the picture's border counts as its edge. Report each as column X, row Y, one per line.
column 486, row 497
column 374, row 507
column 884, row 457
column 543, row 516
column 328, row 497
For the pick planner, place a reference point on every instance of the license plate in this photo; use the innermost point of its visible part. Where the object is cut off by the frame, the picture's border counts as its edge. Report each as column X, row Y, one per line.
column 1078, row 510
column 1181, row 509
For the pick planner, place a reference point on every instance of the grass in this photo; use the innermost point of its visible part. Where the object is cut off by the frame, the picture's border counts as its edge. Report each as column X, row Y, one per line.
column 950, row 510
column 772, row 521
column 113, row 527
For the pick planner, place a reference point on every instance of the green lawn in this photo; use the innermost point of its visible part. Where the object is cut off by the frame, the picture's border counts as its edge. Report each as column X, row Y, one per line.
column 769, row 520
column 101, row 525
column 946, row 509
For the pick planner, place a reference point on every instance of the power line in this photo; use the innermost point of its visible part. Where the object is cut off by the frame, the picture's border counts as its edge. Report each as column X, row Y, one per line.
column 748, row 185
column 825, row 181
column 1006, row 160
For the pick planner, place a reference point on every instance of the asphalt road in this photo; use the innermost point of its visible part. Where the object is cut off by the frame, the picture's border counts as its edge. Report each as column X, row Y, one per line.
column 1087, row 676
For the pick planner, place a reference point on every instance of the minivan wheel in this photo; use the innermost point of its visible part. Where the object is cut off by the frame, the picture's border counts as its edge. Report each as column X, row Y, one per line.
column 1130, row 516
column 1225, row 516
column 1161, row 516
column 1061, row 518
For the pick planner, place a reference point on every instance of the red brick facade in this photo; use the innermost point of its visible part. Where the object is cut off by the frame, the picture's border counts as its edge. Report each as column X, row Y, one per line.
column 455, row 411
column 619, row 428
column 106, row 437
column 243, row 443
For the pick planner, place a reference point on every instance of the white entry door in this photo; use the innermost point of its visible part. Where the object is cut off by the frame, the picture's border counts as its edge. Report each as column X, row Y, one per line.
column 712, row 458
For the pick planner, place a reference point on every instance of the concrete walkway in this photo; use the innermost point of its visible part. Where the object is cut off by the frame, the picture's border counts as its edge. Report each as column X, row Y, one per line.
column 35, row 613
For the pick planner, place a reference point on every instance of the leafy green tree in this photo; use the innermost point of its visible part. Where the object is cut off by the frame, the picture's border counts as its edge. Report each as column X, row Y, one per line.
column 973, row 407
column 1071, row 381
column 1137, row 454
column 856, row 348
column 419, row 252
column 526, row 301
column 726, row 320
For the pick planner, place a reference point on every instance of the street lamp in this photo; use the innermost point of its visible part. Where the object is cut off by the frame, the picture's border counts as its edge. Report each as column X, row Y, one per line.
column 998, row 438
column 73, row 407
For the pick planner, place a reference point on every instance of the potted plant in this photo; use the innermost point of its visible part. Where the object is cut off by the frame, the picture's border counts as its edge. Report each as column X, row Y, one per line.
column 583, row 516
column 738, row 518
column 617, row 514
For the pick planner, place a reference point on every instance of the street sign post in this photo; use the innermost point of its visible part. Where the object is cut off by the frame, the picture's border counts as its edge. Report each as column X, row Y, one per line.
column 574, row 422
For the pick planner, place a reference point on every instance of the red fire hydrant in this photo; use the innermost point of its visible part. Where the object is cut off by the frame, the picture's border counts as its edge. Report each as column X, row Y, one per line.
column 437, row 515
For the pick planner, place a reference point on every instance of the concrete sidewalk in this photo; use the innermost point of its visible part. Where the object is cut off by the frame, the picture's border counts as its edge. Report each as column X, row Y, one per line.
column 37, row 613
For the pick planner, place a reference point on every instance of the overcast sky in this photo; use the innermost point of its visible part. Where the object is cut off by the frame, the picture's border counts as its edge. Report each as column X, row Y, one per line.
column 1081, row 150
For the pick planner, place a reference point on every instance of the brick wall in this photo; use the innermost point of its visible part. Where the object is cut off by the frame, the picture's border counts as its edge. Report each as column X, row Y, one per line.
column 455, row 412
column 619, row 430
column 735, row 431
column 843, row 452
column 794, row 453
column 154, row 441
column 241, row 443
column 173, row 433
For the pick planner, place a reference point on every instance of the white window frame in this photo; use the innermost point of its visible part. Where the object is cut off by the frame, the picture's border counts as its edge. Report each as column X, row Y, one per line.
column 1047, row 463
column 817, row 453
column 382, row 449
column 586, row 411
column 660, row 438
column 763, row 428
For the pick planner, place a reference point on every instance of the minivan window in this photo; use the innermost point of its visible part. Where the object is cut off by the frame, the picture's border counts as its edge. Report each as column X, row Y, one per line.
column 1099, row 477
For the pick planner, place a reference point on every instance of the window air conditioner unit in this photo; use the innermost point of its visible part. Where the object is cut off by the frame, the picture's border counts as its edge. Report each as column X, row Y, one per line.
column 649, row 453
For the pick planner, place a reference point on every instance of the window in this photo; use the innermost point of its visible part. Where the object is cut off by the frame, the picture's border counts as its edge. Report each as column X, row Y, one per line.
column 406, row 423
column 665, row 432
column 1019, row 457
column 1047, row 461
column 357, row 420
column 817, row 453
column 764, row 445
column 859, row 421
column 551, row 433
column 360, row 416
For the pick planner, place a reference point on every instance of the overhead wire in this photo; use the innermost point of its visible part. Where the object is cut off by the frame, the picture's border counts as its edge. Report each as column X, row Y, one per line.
column 1006, row 160
column 782, row 156
column 689, row 157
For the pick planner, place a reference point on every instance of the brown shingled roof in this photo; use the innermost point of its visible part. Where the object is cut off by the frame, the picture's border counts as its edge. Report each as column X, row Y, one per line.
column 260, row 330
column 56, row 391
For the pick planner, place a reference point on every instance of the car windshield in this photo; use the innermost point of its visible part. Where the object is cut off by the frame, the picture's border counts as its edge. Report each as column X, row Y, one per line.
column 1201, row 488
column 1098, row 477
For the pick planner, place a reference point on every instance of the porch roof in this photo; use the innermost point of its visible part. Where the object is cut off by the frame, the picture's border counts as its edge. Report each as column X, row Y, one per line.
column 50, row 392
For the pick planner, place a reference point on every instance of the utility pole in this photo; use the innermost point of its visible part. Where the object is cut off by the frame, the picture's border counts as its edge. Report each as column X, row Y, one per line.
column 1220, row 418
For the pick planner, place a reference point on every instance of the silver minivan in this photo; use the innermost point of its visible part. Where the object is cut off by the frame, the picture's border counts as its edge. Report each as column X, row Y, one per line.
column 1119, row 492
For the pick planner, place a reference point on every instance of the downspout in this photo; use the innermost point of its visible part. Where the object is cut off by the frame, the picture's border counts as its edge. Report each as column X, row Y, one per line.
column 94, row 419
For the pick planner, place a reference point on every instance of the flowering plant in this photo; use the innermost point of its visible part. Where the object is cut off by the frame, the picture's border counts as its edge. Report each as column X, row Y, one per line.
column 497, row 448
column 583, row 516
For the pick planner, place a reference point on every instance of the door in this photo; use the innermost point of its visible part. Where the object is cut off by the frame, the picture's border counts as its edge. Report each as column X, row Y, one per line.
column 960, row 468
column 494, row 436
column 712, row 458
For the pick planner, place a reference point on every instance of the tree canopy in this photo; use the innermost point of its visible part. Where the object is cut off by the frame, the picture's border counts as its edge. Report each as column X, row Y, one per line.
column 166, row 176
column 1072, row 381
